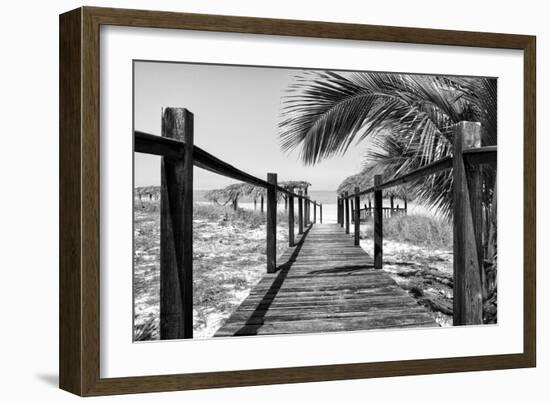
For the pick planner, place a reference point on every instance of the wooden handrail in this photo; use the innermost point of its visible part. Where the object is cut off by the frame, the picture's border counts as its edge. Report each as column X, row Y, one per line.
column 150, row 144
column 179, row 153
column 480, row 155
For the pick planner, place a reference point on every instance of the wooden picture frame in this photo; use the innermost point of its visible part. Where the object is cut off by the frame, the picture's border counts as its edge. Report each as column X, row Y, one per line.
column 79, row 346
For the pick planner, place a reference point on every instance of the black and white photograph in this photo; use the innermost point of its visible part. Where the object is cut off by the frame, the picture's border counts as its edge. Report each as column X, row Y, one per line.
column 281, row 200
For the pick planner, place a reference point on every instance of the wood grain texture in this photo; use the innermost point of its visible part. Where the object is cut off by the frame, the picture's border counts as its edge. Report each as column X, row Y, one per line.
column 325, row 284
column 357, row 219
column 271, row 224
column 346, row 213
column 176, row 228
column 70, row 275
column 79, row 197
column 378, row 224
column 467, row 288
column 291, row 220
column 300, row 214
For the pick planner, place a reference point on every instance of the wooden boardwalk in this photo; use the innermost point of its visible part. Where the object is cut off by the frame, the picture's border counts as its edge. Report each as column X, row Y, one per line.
column 324, row 284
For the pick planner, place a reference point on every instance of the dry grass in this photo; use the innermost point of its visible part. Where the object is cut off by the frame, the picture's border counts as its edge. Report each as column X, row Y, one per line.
column 229, row 259
column 417, row 230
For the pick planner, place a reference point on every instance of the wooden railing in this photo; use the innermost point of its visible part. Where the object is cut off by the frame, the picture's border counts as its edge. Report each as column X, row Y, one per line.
column 468, row 155
column 179, row 153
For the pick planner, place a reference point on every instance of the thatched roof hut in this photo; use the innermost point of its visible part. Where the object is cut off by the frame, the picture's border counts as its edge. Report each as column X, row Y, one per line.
column 365, row 180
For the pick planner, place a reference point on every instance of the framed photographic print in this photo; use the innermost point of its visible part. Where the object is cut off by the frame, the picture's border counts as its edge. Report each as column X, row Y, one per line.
column 249, row 201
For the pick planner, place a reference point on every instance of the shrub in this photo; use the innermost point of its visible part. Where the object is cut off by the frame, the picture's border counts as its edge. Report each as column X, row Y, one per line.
column 416, row 229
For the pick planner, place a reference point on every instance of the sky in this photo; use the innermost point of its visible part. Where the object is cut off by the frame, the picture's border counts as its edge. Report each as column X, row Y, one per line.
column 236, row 114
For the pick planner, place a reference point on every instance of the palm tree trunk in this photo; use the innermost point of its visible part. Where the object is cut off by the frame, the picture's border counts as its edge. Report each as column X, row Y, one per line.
column 262, row 204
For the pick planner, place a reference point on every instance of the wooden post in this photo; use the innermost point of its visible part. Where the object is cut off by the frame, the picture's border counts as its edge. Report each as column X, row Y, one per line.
column 357, row 217
column 467, row 290
column 305, row 212
column 352, row 214
column 271, row 249
column 346, row 204
column 342, row 211
column 306, row 208
column 300, row 213
column 176, row 230
column 320, row 213
column 314, row 213
column 290, row 220
column 391, row 206
column 378, row 228
column 308, row 217
column 405, row 202
column 338, row 210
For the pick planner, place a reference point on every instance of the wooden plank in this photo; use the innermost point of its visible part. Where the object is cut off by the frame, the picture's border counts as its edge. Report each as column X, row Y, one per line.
column 327, row 325
column 271, row 225
column 378, row 220
column 176, row 221
column 173, row 148
column 467, row 290
column 481, row 155
column 325, row 284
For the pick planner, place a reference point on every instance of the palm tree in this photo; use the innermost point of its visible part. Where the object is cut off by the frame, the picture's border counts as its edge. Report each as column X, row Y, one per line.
column 405, row 121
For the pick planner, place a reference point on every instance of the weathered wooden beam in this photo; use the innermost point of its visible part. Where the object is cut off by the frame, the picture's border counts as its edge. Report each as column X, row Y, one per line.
column 346, row 204
column 176, row 222
column 291, row 220
column 320, row 213
column 338, row 221
column 309, row 216
column 378, row 227
column 300, row 213
column 271, row 225
column 481, row 155
column 357, row 219
column 167, row 147
column 314, row 213
column 467, row 290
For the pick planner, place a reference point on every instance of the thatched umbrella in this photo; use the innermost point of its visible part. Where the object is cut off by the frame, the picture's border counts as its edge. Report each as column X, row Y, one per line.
column 233, row 193
column 255, row 193
column 293, row 186
column 215, row 195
